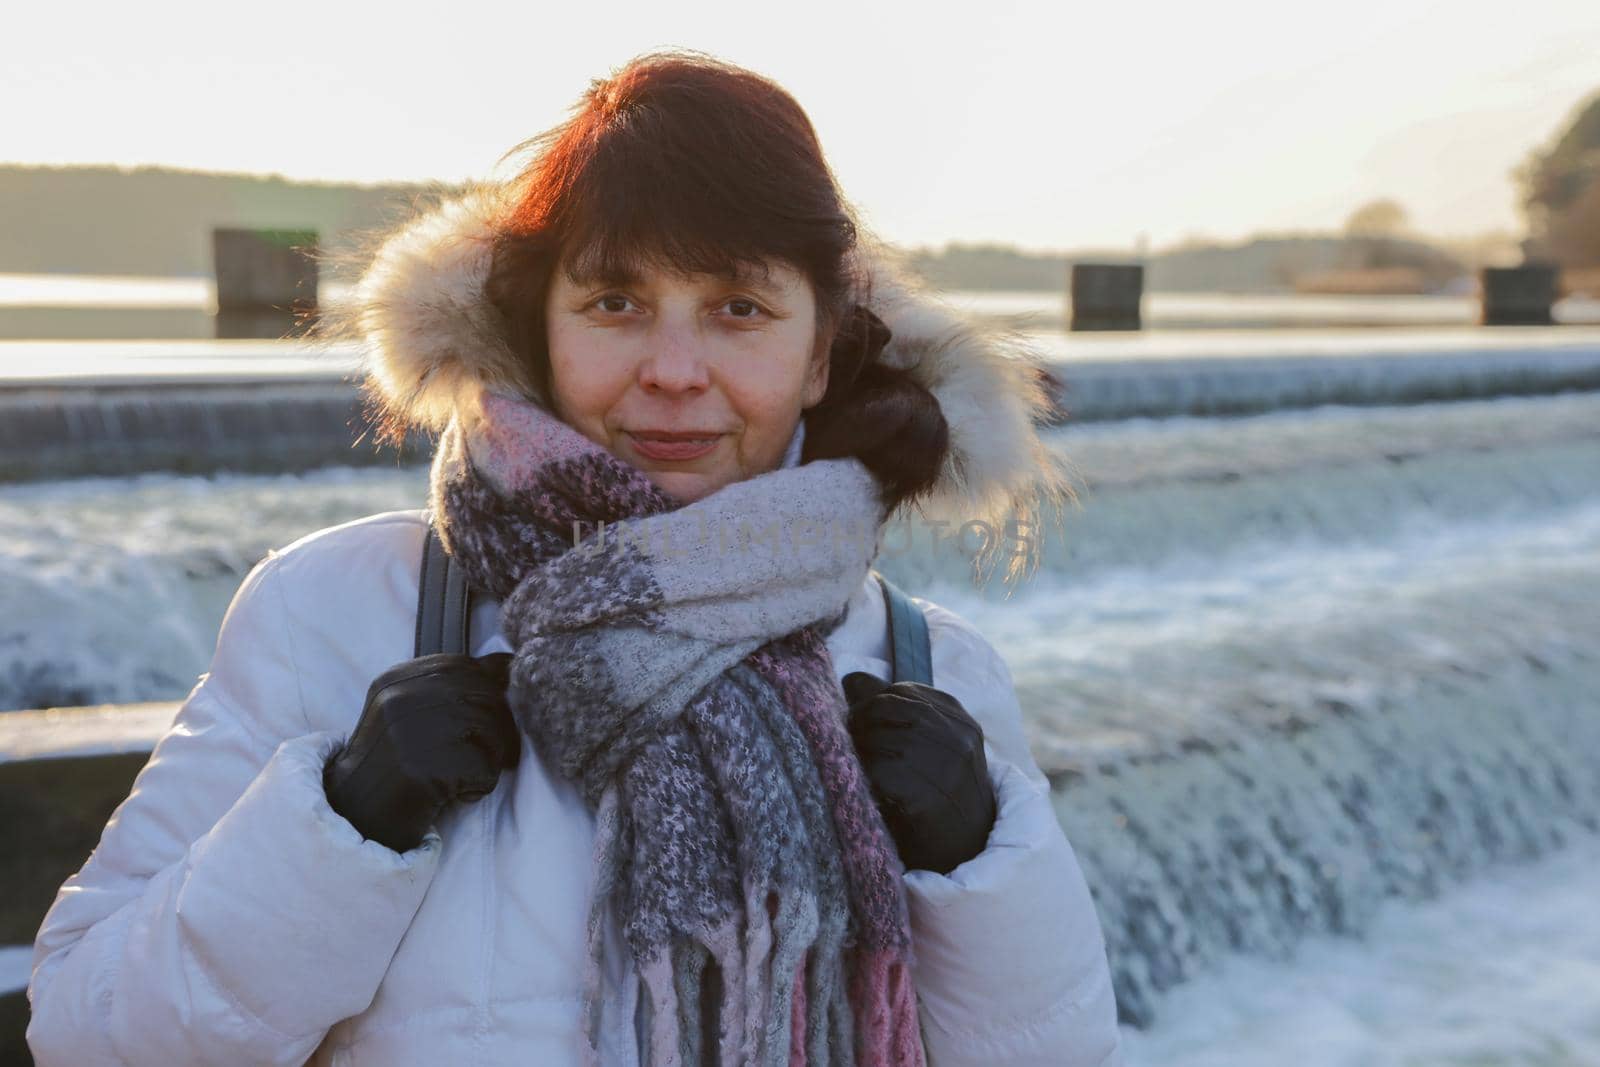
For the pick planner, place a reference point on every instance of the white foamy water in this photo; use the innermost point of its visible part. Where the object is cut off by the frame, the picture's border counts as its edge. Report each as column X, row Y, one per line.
column 112, row 589
column 1192, row 534
column 1318, row 689
column 1219, row 563
column 1503, row 971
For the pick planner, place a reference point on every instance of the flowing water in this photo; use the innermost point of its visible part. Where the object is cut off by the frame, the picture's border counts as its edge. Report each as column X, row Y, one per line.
column 1316, row 689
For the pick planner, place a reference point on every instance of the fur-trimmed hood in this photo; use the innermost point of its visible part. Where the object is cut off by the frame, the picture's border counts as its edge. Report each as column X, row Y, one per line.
column 432, row 341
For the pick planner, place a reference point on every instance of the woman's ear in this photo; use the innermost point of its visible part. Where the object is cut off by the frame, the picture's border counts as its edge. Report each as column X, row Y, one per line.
column 816, row 386
column 851, row 350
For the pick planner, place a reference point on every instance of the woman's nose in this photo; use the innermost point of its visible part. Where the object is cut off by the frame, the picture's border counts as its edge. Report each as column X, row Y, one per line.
column 674, row 362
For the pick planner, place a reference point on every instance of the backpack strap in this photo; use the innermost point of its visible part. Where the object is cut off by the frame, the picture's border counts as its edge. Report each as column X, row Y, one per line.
column 910, row 652
column 444, row 600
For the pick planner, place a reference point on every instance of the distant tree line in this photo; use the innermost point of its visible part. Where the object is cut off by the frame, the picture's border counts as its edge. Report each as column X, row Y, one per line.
column 1560, row 188
column 1268, row 263
column 158, row 221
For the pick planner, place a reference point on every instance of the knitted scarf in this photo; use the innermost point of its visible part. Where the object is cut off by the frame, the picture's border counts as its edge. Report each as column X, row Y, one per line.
column 669, row 660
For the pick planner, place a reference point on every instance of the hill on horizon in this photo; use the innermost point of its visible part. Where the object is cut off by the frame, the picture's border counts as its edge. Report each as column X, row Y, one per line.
column 158, row 220
column 155, row 220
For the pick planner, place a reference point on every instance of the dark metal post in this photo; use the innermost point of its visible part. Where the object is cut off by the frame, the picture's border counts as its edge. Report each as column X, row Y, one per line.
column 1519, row 296
column 1107, row 296
column 266, row 280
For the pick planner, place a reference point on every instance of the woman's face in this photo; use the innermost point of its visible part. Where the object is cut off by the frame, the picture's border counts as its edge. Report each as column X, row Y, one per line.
column 698, row 381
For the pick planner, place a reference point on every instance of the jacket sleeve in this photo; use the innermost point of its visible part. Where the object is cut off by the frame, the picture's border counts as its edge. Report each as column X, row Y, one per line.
column 228, row 915
column 1010, row 958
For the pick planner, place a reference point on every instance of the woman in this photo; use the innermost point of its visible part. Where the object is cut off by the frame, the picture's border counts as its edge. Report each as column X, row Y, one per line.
column 642, row 821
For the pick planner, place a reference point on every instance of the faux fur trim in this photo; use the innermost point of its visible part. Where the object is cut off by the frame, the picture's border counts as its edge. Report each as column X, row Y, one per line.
column 432, row 343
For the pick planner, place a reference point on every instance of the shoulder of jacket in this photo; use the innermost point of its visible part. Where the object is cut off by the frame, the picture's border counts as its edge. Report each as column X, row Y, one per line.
column 955, row 634
column 325, row 613
column 955, row 644
column 362, row 533
column 332, row 549
column 352, row 575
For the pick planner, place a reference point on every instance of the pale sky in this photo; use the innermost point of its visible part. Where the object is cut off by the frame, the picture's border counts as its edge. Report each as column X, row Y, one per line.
column 1045, row 125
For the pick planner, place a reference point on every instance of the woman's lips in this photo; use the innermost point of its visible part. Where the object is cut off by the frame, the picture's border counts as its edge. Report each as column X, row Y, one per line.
column 673, row 446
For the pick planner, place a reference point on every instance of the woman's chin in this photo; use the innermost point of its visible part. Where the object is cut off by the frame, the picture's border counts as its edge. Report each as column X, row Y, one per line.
column 686, row 486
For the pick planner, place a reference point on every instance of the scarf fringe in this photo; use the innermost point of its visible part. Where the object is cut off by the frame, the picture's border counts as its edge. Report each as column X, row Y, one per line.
column 888, row 1032
column 811, row 1016
column 605, row 864
column 796, row 925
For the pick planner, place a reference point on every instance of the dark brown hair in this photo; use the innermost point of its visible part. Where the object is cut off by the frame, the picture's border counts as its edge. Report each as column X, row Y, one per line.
column 698, row 165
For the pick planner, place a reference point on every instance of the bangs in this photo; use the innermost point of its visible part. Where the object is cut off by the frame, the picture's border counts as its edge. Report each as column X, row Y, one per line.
column 647, row 201
column 621, row 256
column 615, row 247
column 607, row 254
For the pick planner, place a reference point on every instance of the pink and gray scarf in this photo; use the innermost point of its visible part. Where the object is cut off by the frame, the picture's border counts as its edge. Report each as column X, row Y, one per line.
column 672, row 665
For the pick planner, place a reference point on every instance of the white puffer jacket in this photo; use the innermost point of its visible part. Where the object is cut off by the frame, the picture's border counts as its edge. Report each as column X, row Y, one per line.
column 230, row 916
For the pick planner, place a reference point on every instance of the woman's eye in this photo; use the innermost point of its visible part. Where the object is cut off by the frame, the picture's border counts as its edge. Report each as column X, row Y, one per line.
column 743, row 309
column 610, row 301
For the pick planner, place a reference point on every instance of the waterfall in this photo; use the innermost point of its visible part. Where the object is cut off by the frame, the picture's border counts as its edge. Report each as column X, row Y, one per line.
column 1280, row 668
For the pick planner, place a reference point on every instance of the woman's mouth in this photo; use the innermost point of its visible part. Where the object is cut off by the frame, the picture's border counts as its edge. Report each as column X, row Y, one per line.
column 673, row 446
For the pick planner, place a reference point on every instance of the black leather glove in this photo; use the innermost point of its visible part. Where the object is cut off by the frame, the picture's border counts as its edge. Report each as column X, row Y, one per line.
column 435, row 729
column 923, row 756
